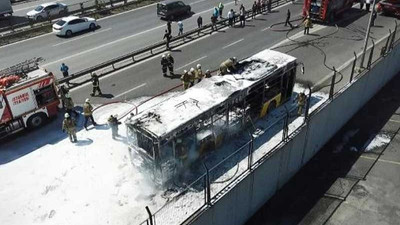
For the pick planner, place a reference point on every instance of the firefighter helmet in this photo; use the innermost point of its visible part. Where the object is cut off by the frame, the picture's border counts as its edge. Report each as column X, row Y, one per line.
column 163, row 56
column 192, row 70
column 198, row 66
column 184, row 71
column 66, row 115
column 87, row 100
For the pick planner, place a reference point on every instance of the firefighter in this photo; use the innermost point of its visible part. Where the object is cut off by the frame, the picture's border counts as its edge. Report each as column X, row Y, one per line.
column 167, row 36
column 69, row 105
column 199, row 73
column 88, row 113
column 62, row 92
column 96, row 85
column 185, row 79
column 301, row 101
column 288, row 19
column 374, row 15
column 69, row 125
column 228, row 66
column 192, row 76
column 307, row 25
column 164, row 65
column 171, row 62
column 113, row 123
column 207, row 74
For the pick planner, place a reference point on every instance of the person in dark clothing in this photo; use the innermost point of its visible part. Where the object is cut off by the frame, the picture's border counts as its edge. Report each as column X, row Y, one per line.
column 62, row 93
column 169, row 27
column 288, row 19
column 269, row 5
column 242, row 16
column 164, row 65
column 88, row 113
column 64, row 69
column 96, row 85
column 167, row 36
column 374, row 15
column 213, row 22
column 254, row 10
column 199, row 22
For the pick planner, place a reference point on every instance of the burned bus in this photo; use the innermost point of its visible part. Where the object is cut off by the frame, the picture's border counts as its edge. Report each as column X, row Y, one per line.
column 184, row 127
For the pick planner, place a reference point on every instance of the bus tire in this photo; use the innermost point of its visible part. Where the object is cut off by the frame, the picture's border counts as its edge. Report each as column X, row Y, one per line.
column 271, row 107
column 36, row 120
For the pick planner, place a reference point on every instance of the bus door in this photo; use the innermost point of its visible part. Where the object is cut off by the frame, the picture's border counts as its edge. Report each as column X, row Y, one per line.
column 288, row 83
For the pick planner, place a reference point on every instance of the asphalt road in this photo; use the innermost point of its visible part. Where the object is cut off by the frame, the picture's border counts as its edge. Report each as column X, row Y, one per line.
column 145, row 79
column 22, row 8
column 119, row 34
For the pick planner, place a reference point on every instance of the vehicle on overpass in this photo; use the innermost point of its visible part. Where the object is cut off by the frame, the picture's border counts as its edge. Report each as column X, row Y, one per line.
column 172, row 9
column 27, row 98
column 68, row 26
column 5, row 8
column 183, row 128
column 389, row 7
column 47, row 10
column 325, row 10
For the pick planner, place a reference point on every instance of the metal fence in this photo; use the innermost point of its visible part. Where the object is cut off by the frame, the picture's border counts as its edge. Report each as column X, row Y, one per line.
column 218, row 179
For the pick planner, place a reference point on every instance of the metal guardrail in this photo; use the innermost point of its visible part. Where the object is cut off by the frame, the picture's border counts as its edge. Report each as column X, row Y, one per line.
column 160, row 46
column 104, row 6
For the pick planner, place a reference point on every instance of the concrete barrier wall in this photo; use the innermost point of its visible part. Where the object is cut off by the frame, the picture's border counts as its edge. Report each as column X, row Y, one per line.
column 244, row 198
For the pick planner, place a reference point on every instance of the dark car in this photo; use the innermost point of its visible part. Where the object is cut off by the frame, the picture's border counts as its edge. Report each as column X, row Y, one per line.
column 171, row 9
column 389, row 7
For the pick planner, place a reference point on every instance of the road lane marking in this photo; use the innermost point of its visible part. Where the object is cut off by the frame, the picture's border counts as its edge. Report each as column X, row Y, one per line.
column 192, row 62
column 233, row 43
column 83, row 36
column 193, row 3
column 103, row 45
column 345, row 64
column 381, row 160
column 126, row 92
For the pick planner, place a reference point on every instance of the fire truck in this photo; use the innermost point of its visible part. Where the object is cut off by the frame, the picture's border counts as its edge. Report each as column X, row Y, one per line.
column 325, row 10
column 27, row 97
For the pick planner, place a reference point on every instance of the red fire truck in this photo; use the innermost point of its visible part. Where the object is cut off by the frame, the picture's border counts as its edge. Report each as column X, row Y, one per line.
column 325, row 10
column 27, row 100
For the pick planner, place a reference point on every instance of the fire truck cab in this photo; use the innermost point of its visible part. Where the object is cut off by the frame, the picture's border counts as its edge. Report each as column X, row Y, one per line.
column 26, row 101
column 325, row 10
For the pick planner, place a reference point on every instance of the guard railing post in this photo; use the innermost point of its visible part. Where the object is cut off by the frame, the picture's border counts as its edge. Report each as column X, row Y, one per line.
column 393, row 37
column 150, row 216
column 307, row 103
column 332, row 84
column 208, row 190
column 385, row 48
column 250, row 154
column 370, row 55
column 353, row 67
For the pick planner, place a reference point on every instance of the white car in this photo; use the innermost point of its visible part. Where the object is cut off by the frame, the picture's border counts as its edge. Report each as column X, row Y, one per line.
column 45, row 10
column 73, row 24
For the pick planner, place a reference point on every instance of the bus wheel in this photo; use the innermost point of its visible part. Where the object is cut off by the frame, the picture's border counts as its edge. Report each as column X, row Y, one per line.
column 271, row 107
column 36, row 120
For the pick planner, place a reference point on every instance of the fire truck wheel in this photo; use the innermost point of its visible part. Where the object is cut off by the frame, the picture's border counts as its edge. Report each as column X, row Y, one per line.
column 271, row 107
column 36, row 120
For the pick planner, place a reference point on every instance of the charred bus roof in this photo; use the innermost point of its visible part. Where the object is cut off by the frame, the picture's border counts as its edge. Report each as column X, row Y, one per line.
column 175, row 113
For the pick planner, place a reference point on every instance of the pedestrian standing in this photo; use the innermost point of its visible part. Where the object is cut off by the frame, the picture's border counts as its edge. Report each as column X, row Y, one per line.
column 169, row 27
column 167, row 36
column 230, row 17
column 69, row 106
column 216, row 12
column 374, row 15
column 258, row 6
column 96, row 85
column 213, row 22
column 361, row 4
column 288, row 19
column 171, row 62
column 199, row 73
column 307, row 25
column 88, row 113
column 64, row 69
column 164, row 65
column 180, row 28
column 254, row 10
column 367, row 4
column 207, row 74
column 242, row 17
column 113, row 123
column 269, row 5
column 199, row 22
column 69, row 126
column 185, row 79
column 220, row 9
column 235, row 2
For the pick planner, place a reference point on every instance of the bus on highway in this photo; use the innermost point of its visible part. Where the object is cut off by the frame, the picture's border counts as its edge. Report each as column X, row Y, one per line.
column 325, row 10
column 184, row 127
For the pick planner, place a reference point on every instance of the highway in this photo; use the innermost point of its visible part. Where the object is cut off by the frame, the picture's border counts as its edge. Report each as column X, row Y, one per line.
column 20, row 9
column 145, row 79
column 119, row 34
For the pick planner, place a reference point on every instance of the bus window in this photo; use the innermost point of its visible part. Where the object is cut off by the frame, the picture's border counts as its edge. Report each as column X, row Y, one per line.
column 272, row 88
